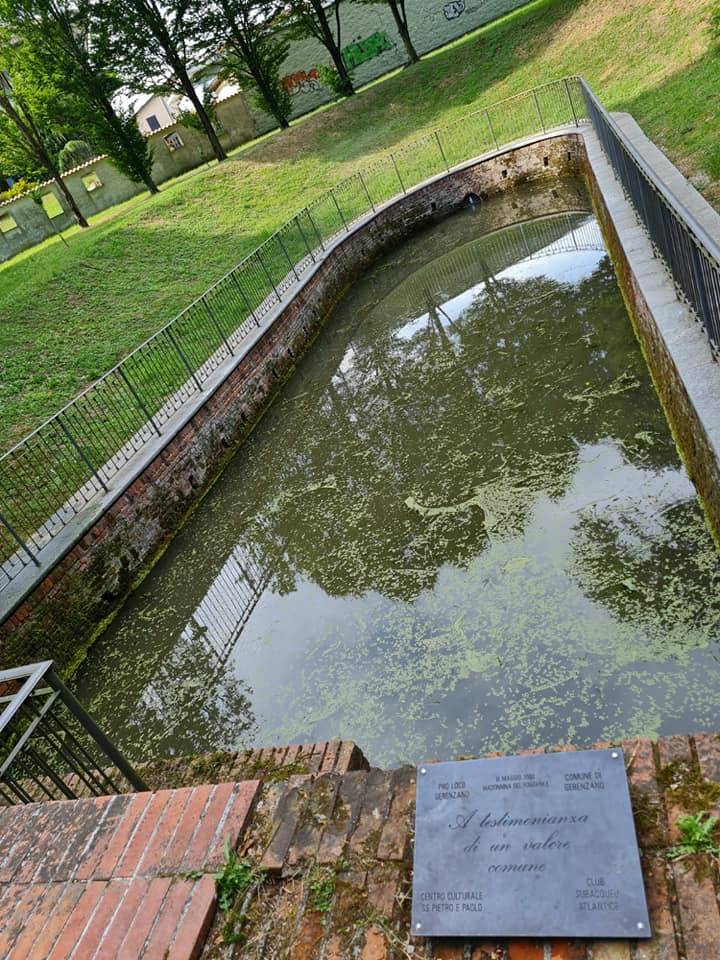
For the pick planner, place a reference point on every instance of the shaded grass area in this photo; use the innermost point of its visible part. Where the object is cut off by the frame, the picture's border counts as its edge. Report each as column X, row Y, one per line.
column 68, row 314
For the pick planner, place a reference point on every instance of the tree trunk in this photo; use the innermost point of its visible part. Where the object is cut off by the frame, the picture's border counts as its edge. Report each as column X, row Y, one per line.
column 200, row 110
column 70, row 200
column 328, row 41
column 33, row 138
column 402, row 28
column 266, row 90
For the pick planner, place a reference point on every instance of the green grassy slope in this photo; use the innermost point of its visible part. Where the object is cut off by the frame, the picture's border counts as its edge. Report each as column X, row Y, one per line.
column 67, row 314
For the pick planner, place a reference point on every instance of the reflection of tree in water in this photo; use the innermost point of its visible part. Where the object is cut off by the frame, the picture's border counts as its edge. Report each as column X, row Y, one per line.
column 191, row 703
column 432, row 461
column 649, row 572
column 445, row 428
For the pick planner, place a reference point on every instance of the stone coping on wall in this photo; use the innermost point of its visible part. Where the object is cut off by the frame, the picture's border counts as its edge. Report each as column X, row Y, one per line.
column 53, row 552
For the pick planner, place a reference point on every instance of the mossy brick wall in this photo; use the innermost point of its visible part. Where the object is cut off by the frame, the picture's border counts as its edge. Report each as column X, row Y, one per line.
column 372, row 45
column 69, row 606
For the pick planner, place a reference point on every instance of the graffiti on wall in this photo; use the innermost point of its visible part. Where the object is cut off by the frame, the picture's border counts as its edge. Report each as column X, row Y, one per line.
column 454, row 9
column 360, row 51
column 303, row 81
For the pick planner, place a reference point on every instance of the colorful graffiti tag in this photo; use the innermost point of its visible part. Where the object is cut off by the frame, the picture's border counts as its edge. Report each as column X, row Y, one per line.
column 360, row 51
column 454, row 9
column 303, row 81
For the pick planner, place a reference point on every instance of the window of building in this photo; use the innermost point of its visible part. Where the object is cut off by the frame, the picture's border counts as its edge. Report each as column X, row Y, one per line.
column 7, row 223
column 173, row 142
column 51, row 205
column 153, row 122
column 91, row 181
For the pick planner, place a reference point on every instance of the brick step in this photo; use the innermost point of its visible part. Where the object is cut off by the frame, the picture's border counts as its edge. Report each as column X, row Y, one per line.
column 257, row 763
column 127, row 876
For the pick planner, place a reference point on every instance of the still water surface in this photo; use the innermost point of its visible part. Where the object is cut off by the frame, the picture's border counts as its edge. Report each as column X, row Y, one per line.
column 462, row 527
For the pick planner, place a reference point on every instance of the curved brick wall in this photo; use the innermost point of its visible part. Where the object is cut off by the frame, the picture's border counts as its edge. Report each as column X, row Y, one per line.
column 64, row 611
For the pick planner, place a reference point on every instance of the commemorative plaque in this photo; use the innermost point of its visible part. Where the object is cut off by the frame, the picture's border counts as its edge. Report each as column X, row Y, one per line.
column 535, row 846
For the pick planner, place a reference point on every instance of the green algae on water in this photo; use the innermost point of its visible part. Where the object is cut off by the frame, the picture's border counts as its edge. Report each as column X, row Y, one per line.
column 462, row 527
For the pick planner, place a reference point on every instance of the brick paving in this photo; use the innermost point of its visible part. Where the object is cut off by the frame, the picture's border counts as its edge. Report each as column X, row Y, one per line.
column 116, row 877
column 131, row 876
column 338, row 851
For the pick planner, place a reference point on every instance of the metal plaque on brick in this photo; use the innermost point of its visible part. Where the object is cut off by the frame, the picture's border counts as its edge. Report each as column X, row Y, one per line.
column 533, row 846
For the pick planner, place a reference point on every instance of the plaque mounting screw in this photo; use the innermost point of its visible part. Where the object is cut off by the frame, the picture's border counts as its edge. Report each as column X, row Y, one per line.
column 423, row 770
column 417, row 926
column 641, row 925
column 614, row 754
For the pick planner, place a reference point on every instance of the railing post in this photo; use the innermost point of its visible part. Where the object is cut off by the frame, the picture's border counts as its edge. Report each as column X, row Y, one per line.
column 287, row 255
column 367, row 192
column 267, row 274
column 184, row 359
column 245, row 299
column 397, row 172
column 492, row 129
column 216, row 324
column 442, row 152
column 80, row 452
column 337, row 207
column 18, row 539
column 123, row 376
column 302, row 234
column 539, row 111
column 570, row 101
column 87, row 722
column 317, row 232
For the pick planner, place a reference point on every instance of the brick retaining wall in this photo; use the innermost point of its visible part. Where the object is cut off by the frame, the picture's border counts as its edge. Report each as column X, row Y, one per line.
column 69, row 606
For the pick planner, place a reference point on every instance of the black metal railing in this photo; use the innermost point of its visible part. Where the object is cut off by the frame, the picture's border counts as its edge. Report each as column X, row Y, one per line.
column 690, row 254
column 63, row 465
column 50, row 747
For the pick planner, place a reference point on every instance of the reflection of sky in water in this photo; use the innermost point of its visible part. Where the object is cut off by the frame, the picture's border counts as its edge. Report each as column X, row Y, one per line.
column 462, row 527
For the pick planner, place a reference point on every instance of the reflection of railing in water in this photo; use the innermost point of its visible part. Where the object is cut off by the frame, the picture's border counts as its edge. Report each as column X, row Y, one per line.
column 212, row 632
column 227, row 606
column 482, row 259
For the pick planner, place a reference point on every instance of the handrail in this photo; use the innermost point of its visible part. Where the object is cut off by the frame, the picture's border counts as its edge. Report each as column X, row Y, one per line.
column 691, row 255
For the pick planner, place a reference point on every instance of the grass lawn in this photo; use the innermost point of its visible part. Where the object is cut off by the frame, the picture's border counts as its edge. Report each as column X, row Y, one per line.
column 68, row 313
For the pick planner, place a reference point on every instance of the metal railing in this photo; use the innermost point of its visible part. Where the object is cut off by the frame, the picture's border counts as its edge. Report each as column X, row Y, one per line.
column 690, row 254
column 58, row 469
column 50, row 747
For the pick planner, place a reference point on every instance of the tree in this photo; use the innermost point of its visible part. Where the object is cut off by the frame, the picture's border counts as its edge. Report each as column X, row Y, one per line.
column 58, row 38
column 151, row 45
column 251, row 49
column 397, row 8
column 21, row 130
column 309, row 19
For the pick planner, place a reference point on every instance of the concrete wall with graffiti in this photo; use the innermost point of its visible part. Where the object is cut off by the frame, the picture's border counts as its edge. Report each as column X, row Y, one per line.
column 371, row 45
